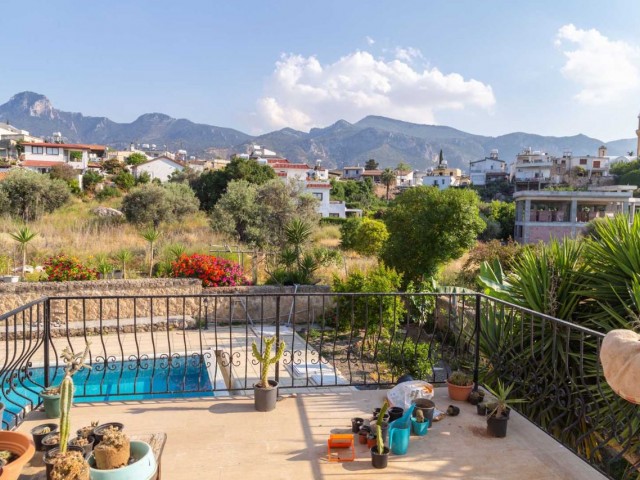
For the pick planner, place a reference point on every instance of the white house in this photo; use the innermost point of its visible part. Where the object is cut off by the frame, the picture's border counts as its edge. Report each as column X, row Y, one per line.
column 352, row 173
column 160, row 168
column 488, row 169
column 42, row 156
column 404, row 178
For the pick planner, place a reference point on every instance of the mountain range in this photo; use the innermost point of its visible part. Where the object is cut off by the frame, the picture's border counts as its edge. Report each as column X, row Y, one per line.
column 386, row 140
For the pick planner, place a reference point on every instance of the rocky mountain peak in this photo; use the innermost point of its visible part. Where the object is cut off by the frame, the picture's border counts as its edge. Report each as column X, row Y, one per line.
column 31, row 103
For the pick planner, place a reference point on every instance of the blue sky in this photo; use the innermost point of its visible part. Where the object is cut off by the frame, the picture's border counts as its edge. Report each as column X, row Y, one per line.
column 486, row 67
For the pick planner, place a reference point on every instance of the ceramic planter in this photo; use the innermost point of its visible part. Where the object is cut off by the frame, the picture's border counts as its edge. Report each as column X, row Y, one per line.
column 144, row 465
column 37, row 437
column 379, row 460
column 51, row 404
column 21, row 445
column 459, row 393
column 265, row 398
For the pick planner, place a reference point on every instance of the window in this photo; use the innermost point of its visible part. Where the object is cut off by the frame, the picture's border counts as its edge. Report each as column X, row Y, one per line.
column 37, row 150
column 318, row 195
column 583, row 161
column 596, row 164
column 334, row 215
column 52, row 151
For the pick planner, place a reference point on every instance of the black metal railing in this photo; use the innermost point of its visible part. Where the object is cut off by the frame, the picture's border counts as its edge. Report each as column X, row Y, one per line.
column 154, row 346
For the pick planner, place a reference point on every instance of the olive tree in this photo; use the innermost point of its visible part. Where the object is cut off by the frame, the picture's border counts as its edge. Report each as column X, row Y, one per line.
column 31, row 194
column 154, row 204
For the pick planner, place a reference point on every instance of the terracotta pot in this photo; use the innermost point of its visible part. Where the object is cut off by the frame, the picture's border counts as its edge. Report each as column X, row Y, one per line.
column 19, row 444
column 456, row 392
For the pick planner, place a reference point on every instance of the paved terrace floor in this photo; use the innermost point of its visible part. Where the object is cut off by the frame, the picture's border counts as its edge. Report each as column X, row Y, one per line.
column 225, row 438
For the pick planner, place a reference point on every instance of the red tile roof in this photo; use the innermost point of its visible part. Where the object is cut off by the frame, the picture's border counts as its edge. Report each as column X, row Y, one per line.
column 318, row 185
column 291, row 165
column 282, row 174
column 39, row 163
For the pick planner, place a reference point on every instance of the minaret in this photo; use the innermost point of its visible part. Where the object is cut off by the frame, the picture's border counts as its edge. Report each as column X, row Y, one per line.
column 638, row 134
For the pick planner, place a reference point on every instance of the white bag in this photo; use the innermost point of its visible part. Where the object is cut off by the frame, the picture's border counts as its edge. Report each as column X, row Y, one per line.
column 403, row 394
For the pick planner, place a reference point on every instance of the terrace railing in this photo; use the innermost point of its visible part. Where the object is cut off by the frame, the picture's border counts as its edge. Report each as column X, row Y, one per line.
column 158, row 346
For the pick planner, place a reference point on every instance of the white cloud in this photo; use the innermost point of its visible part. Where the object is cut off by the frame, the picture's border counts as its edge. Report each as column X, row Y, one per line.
column 369, row 40
column 303, row 93
column 606, row 70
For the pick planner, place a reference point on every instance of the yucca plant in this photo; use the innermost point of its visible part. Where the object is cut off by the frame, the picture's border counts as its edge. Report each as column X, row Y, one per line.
column 23, row 236
column 151, row 235
column 123, row 256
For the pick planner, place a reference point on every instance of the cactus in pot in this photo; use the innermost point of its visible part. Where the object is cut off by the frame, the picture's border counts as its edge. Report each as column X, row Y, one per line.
column 69, row 464
column 266, row 391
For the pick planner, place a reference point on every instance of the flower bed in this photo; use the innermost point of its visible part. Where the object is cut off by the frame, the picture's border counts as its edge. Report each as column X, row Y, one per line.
column 213, row 271
column 63, row 269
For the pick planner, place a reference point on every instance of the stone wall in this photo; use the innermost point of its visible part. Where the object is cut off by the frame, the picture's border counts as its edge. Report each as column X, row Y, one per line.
column 107, row 304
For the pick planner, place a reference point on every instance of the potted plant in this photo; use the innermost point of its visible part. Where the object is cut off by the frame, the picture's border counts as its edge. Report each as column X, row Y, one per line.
column 380, row 453
column 476, row 397
column 38, row 433
column 18, row 450
column 498, row 416
column 110, row 460
column 51, row 401
column 419, row 423
column 459, row 385
column 266, row 392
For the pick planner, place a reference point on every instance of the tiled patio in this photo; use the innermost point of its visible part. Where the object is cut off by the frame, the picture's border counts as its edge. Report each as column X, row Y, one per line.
column 225, row 438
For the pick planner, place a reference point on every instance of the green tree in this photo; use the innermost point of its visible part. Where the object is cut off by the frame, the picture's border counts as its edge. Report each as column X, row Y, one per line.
column 30, row 194
column 151, row 235
column 90, row 180
column 125, row 181
column 112, row 166
column 148, row 204
column 136, row 158
column 182, row 199
column 370, row 237
column 348, row 233
column 403, row 167
column 23, row 236
column 212, row 184
column 258, row 214
column 428, row 227
column 388, row 177
column 187, row 175
column 371, row 164
column 143, row 178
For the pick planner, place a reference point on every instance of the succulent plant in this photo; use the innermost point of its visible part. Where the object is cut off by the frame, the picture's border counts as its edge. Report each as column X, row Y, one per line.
column 266, row 359
column 419, row 416
column 460, row 379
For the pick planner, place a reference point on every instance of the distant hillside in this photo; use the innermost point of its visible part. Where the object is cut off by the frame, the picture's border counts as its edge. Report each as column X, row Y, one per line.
column 387, row 140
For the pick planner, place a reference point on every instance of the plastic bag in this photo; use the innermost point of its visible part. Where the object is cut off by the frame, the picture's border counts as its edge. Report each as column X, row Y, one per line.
column 403, row 394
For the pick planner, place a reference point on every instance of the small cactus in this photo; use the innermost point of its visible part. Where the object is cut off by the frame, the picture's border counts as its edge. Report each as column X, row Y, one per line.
column 266, row 359
column 380, row 440
column 419, row 416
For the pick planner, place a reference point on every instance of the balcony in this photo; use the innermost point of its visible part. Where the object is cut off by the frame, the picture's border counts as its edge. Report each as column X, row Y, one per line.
column 183, row 365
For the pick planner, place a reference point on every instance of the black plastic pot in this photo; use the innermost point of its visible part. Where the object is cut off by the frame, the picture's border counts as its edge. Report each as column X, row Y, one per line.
column 37, row 437
column 86, row 449
column 362, row 434
column 482, row 409
column 374, row 419
column 427, row 407
column 265, row 398
column 356, row 423
column 45, row 442
column 475, row 397
column 48, row 457
column 497, row 426
column 395, row 413
column 379, row 460
column 99, row 431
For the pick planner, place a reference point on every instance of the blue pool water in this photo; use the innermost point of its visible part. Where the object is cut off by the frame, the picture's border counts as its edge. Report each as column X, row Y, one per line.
column 119, row 381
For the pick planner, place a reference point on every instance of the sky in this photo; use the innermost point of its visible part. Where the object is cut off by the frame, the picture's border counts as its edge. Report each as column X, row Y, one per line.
column 487, row 67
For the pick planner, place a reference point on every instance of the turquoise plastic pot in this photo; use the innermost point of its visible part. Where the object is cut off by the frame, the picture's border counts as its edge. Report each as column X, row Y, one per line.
column 142, row 469
column 420, row 429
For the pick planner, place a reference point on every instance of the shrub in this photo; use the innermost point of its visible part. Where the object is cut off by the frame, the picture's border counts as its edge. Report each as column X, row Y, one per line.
column 406, row 356
column 370, row 236
column 108, row 192
column 63, row 171
column 124, row 180
column 90, row 179
column 154, row 204
column 366, row 311
column 61, row 268
column 332, row 221
column 348, row 232
column 31, row 194
column 213, row 271
column 182, row 198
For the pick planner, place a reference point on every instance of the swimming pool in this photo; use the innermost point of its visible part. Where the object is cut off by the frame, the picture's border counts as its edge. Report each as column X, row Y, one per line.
column 148, row 378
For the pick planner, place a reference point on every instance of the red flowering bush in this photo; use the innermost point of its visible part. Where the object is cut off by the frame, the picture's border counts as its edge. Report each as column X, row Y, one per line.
column 213, row 271
column 63, row 269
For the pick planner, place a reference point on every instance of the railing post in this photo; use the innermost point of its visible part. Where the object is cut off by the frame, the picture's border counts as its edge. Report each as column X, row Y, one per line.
column 47, row 339
column 277, row 335
column 476, row 364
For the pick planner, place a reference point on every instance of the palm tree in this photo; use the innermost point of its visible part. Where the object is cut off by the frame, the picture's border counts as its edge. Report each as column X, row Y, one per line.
column 151, row 235
column 124, row 256
column 23, row 236
column 388, row 176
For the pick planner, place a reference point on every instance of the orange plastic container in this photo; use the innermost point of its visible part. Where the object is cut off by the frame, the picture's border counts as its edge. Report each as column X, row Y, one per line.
column 337, row 444
column 20, row 444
